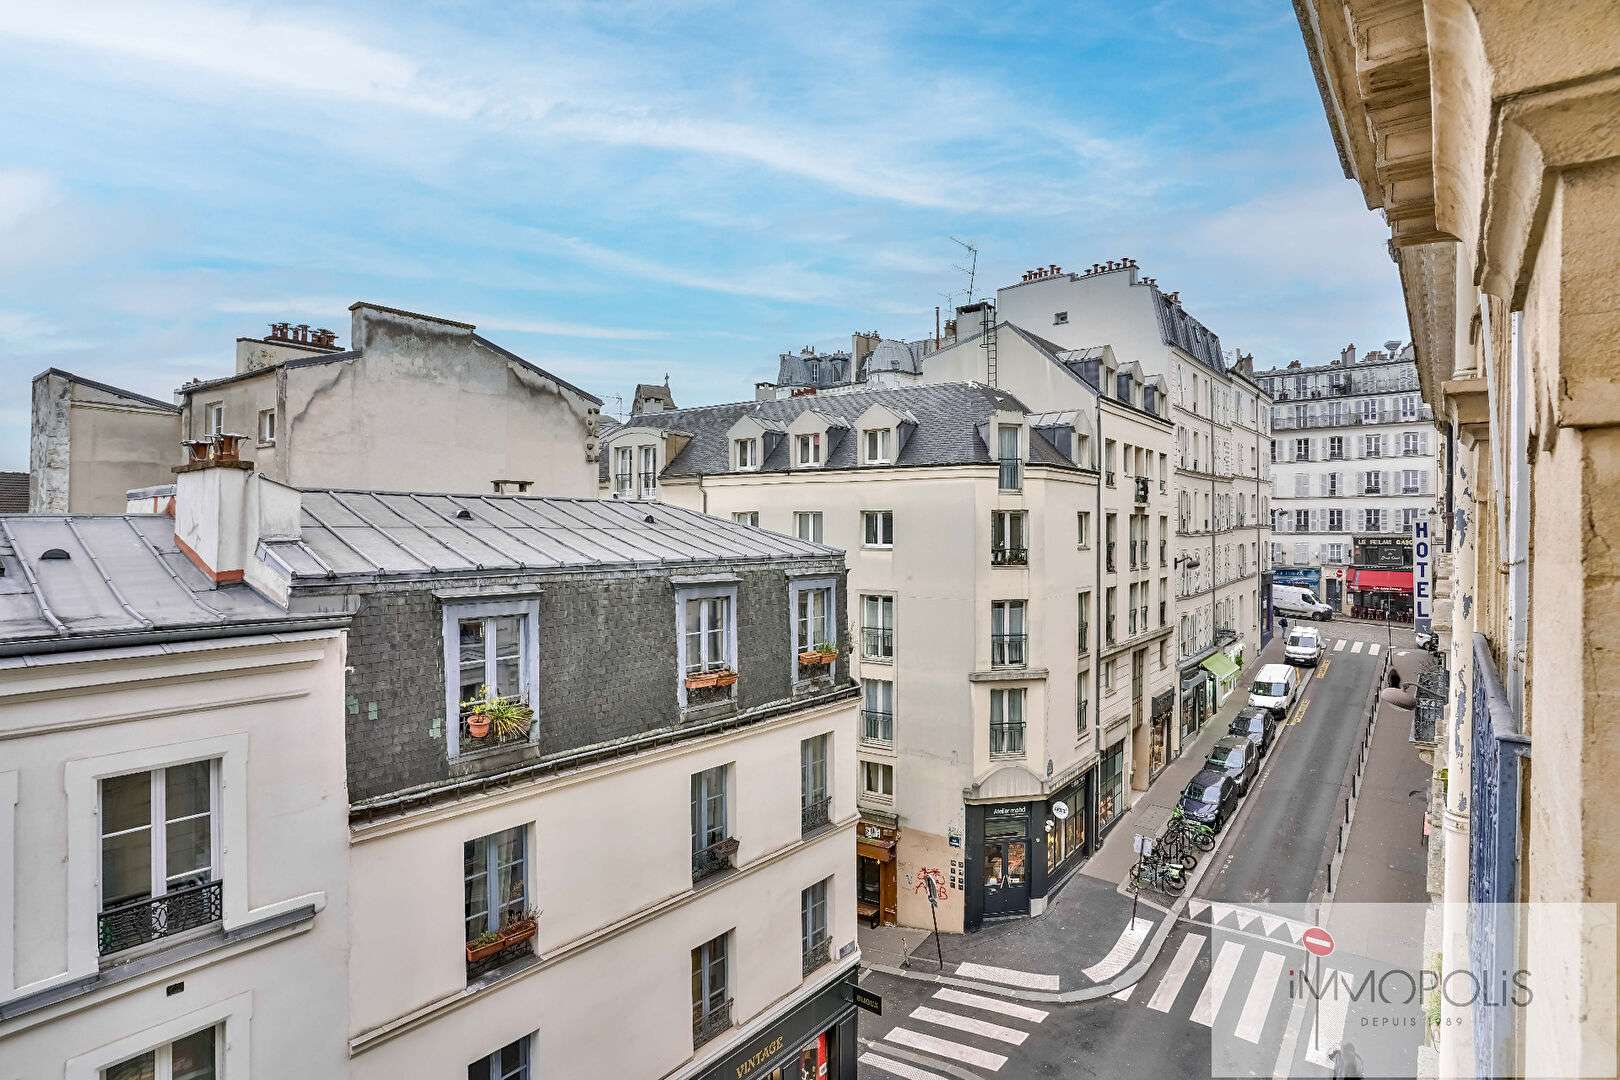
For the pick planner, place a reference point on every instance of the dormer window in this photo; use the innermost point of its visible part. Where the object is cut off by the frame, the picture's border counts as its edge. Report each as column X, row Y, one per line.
column 747, row 453
column 877, row 447
column 809, row 449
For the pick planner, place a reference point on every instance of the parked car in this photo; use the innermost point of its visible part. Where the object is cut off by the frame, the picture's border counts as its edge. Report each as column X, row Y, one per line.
column 1302, row 646
column 1209, row 798
column 1256, row 725
column 1274, row 689
column 1237, row 758
column 1298, row 600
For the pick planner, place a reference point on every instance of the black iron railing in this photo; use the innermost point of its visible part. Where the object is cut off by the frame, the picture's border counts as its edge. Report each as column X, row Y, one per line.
column 813, row 813
column 1108, row 558
column 621, row 481
column 1009, row 478
column 706, row 1025
column 1009, row 556
column 1085, row 638
column 819, row 953
column 714, row 858
column 139, row 921
column 877, row 726
column 1141, row 489
column 1108, row 477
column 1007, row 650
column 877, row 641
column 649, row 481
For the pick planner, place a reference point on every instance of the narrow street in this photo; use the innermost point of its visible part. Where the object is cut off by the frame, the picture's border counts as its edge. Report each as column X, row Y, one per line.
column 1275, row 852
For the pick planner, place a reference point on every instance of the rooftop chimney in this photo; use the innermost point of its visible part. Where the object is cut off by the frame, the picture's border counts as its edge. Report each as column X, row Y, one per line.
column 210, row 507
column 1347, row 355
column 1392, row 347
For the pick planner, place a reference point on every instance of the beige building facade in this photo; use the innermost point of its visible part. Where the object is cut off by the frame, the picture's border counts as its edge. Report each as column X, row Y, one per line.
column 90, row 443
column 1485, row 134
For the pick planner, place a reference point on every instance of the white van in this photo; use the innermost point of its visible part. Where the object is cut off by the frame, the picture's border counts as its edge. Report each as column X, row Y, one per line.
column 1274, row 688
column 1298, row 600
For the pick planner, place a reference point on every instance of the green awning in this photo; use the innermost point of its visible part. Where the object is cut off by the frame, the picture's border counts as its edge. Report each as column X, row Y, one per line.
column 1220, row 666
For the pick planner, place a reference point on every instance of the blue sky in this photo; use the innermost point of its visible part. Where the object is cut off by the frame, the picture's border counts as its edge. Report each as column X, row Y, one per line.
column 620, row 190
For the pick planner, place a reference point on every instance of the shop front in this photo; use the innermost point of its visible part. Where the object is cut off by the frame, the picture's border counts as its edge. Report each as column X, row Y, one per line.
column 1161, row 717
column 1110, row 786
column 1005, row 860
column 876, row 899
column 1225, row 675
column 1067, row 836
column 815, row 1040
column 1381, row 594
column 1195, row 691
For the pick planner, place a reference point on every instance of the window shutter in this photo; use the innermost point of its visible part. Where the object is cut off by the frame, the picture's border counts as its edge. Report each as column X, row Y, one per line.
column 1386, row 482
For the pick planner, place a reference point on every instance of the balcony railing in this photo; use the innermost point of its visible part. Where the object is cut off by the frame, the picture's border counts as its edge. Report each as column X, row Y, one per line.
column 714, row 858
column 1162, row 613
column 706, row 1025
column 813, row 813
column 1108, row 477
column 621, row 482
column 1085, row 638
column 1141, row 490
column 816, row 955
column 1108, row 631
column 649, row 482
column 1144, row 611
column 882, row 723
column 1009, row 478
column 877, row 642
column 1009, row 556
column 1007, row 650
column 1108, row 559
column 1164, row 559
column 139, row 921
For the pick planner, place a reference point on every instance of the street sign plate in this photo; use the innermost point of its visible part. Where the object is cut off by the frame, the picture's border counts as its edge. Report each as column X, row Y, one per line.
column 1060, row 810
column 869, row 1001
column 1142, row 845
column 1318, row 941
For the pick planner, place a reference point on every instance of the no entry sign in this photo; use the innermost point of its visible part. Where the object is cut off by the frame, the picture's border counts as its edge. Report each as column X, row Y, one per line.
column 1318, row 941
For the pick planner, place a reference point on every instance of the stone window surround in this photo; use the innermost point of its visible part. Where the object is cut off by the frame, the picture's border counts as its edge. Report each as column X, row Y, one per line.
column 795, row 587
column 528, row 673
column 233, row 1051
column 704, row 590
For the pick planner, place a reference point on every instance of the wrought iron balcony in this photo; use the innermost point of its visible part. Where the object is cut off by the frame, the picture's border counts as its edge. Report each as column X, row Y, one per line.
column 139, row 921
column 1085, row 638
column 1108, row 477
column 1141, row 490
column 877, row 726
column 1007, row 650
column 621, row 482
column 649, row 482
column 1009, row 556
column 1108, row 558
column 877, row 641
column 1010, row 477
column 706, row 1025
column 714, row 858
column 813, row 813
column 819, row 953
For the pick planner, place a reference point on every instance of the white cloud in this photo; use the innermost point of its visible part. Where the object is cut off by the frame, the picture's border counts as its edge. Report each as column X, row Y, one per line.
column 522, row 325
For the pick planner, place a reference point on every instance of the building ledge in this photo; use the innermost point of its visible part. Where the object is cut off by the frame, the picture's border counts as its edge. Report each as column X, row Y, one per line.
column 1007, row 674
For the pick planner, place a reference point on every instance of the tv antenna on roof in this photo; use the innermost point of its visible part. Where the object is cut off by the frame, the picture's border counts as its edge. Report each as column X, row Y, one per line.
column 972, row 268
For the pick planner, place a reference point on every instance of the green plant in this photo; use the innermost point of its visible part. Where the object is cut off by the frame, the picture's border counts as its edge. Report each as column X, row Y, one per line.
column 488, row 937
column 825, row 647
column 508, row 717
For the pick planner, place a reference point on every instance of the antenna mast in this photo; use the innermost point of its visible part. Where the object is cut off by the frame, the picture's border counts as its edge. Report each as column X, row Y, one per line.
column 972, row 268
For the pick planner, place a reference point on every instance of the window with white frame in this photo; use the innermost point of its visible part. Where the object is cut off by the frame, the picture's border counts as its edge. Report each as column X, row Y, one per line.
column 495, row 881
column 809, row 448
column 1410, row 481
column 813, row 617
column 707, row 637
column 490, row 653
column 746, row 517
column 1335, row 447
column 807, row 525
column 877, row 627
column 1082, row 709
column 1409, row 443
column 1369, row 410
column 195, row 1057
column 1330, row 483
column 1008, row 634
column 1335, row 553
column 1007, row 721
column 1335, row 521
column 1008, row 543
column 815, row 797
column 1409, row 406
column 877, row 528
column 624, row 476
column 877, row 780
column 813, row 940
column 649, row 470
column 214, row 418
column 1083, row 528
column 1372, row 446
column 711, row 993
column 1302, row 449
column 267, row 426
column 877, row 446
column 877, row 711
column 1372, row 483
column 709, row 810
column 159, row 854
column 510, row 1062
column 1409, row 516
column 747, row 453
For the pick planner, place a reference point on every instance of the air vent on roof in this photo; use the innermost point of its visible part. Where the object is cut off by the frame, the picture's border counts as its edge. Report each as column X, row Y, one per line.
column 55, row 553
column 464, row 514
column 648, row 519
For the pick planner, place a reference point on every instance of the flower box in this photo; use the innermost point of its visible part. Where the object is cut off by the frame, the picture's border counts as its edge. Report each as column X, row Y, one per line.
column 710, row 678
column 513, row 933
column 818, row 657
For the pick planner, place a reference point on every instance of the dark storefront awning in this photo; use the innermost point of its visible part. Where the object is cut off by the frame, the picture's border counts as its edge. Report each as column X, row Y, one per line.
column 1382, row 581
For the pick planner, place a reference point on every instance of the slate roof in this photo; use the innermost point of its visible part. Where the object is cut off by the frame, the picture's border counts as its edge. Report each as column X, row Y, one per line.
column 13, row 493
column 123, row 580
column 948, row 416
column 821, row 371
column 373, row 534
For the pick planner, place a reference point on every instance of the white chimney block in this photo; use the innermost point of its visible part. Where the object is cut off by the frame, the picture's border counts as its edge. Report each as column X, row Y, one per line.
column 212, row 515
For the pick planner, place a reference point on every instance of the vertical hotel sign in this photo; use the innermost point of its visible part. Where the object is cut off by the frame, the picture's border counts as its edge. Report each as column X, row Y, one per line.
column 1422, row 579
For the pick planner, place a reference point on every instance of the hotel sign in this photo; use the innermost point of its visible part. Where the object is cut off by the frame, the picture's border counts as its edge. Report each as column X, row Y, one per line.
column 1422, row 577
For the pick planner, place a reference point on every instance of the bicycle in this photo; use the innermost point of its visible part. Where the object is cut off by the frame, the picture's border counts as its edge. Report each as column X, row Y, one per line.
column 1201, row 835
column 1157, row 874
column 1176, row 845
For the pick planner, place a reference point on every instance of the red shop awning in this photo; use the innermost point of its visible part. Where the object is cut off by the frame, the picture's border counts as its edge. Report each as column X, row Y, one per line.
column 1382, row 581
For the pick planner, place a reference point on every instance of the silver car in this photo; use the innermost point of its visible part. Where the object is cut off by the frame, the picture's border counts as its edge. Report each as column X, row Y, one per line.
column 1302, row 646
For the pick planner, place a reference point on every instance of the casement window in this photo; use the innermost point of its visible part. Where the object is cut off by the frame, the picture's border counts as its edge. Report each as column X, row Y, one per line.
column 1335, row 553
column 495, row 879
column 1008, row 545
column 1409, row 517
column 1083, row 528
column 746, row 517
column 814, row 944
column 709, row 817
column 877, row 528
column 1372, row 483
column 195, row 1057
column 809, row 447
column 624, row 476
column 1409, row 406
column 1372, row 446
column 160, row 861
column 877, row 627
column 1302, row 449
column 490, row 651
column 510, row 1062
column 1007, row 721
column 877, row 446
column 1008, row 637
column 1410, row 481
column 707, row 634
column 1410, row 445
column 1082, row 708
column 214, row 418
column 1335, row 521
column 807, row 525
column 1009, row 477
column 649, row 471
column 1335, row 451
column 877, row 779
column 1330, row 483
column 1369, row 410
column 267, row 426
column 1108, row 615
column 815, row 626
column 1084, row 630
column 711, row 993
column 815, row 798
column 877, row 711
column 747, row 452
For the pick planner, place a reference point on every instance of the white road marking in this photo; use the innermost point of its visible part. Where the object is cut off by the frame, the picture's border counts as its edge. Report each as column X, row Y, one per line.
column 1180, row 964
column 950, row 1051
column 1339, row 645
column 1220, row 977
column 990, row 1004
column 1283, row 1068
column 1357, row 646
column 970, row 1024
column 1372, row 648
column 1197, row 907
column 1125, row 994
column 1009, row 976
column 898, row 1068
column 1331, row 1008
column 1258, row 1003
column 1130, row 940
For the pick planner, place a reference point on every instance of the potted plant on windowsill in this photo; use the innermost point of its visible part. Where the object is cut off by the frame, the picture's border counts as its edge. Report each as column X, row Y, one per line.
column 820, row 655
column 704, row 679
column 514, row 931
column 507, row 718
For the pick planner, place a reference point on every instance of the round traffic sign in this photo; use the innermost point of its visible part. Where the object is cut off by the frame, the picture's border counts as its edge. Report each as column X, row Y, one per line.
column 1318, row 941
column 1060, row 810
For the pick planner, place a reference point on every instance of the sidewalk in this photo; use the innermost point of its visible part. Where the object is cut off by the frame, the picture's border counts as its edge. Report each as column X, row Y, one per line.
column 1386, row 859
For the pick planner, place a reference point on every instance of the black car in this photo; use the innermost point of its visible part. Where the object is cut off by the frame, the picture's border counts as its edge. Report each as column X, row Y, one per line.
column 1256, row 725
column 1210, row 798
column 1235, row 756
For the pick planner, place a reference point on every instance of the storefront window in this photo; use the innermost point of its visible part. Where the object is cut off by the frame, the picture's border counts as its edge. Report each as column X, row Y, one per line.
column 1110, row 784
column 1066, row 837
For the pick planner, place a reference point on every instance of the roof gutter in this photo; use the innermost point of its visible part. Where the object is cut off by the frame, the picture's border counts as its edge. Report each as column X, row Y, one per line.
column 41, row 646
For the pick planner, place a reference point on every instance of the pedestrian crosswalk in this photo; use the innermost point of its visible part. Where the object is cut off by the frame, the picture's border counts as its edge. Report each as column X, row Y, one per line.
column 1355, row 645
column 955, row 1036
column 1029, row 980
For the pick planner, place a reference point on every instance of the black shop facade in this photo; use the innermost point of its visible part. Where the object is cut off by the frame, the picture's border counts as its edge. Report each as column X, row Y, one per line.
column 1025, row 836
column 814, row 1040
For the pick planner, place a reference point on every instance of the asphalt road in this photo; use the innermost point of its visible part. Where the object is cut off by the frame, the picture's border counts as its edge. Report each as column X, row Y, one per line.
column 1205, row 990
